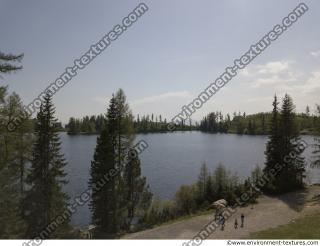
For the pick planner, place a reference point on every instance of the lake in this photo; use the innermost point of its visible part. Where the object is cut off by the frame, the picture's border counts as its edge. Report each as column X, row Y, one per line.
column 172, row 159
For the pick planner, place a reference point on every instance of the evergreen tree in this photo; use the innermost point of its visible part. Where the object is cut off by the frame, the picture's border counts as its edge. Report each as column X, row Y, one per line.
column 21, row 140
column 272, row 152
column 202, row 181
column 282, row 150
column 137, row 190
column 6, row 61
column 220, row 177
column 209, row 195
column 291, row 176
column 105, row 200
column 12, row 158
column 115, row 204
column 316, row 151
column 124, row 132
column 45, row 199
column 12, row 166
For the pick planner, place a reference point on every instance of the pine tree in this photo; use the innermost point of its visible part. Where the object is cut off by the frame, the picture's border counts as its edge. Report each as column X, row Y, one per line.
column 12, row 163
column 21, row 139
column 282, row 144
column 291, row 176
column 202, row 181
column 316, row 151
column 115, row 204
column 12, row 225
column 105, row 201
column 124, row 132
column 272, row 152
column 137, row 190
column 209, row 195
column 6, row 61
column 220, row 178
column 316, row 154
column 263, row 123
column 45, row 199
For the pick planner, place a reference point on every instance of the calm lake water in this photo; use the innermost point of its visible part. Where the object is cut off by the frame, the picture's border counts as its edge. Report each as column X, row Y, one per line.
column 171, row 160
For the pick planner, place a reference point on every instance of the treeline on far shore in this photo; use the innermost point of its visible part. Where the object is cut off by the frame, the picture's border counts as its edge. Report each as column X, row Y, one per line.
column 256, row 124
column 215, row 122
column 142, row 124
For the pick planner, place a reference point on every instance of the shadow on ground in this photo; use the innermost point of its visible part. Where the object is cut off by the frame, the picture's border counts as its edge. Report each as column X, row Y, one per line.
column 295, row 200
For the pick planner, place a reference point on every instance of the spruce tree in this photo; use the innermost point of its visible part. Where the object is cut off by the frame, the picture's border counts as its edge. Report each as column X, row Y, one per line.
column 282, row 150
column 202, row 182
column 220, row 179
column 137, row 190
column 316, row 154
column 116, row 204
column 316, row 151
column 45, row 199
column 272, row 152
column 6, row 61
column 12, row 225
column 291, row 176
column 105, row 200
column 124, row 131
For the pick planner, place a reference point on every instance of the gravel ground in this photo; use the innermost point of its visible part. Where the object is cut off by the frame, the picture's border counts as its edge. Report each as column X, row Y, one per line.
column 270, row 212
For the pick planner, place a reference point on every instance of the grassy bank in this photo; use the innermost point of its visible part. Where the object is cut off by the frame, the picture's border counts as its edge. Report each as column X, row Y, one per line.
column 304, row 228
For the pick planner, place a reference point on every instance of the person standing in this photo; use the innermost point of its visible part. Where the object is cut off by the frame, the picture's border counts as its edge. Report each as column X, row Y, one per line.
column 222, row 222
column 242, row 220
column 236, row 224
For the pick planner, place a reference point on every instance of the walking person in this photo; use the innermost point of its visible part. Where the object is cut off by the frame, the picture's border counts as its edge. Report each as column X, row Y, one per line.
column 220, row 218
column 236, row 224
column 242, row 220
column 222, row 222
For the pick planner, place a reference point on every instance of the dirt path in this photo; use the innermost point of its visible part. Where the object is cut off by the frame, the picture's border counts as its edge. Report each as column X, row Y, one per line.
column 268, row 213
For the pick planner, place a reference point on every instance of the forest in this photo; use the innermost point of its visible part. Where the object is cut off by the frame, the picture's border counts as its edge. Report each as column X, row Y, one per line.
column 33, row 176
column 142, row 124
column 256, row 124
column 215, row 122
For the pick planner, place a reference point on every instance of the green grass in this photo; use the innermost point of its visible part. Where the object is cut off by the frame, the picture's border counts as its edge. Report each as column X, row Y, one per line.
column 304, row 228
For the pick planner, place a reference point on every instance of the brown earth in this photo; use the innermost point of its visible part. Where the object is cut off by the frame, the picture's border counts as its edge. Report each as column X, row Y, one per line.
column 269, row 212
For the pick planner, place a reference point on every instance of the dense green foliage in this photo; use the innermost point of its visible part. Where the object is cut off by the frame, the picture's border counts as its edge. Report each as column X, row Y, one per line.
column 283, row 154
column 316, row 151
column 190, row 199
column 124, row 195
column 254, row 124
column 144, row 124
column 15, row 154
column 45, row 199
column 7, row 62
column 32, row 173
column 147, row 124
column 215, row 122
column 89, row 125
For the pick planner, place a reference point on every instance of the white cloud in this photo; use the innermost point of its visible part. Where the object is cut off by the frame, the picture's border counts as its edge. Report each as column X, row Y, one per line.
column 102, row 100
column 273, row 67
column 271, row 73
column 269, row 68
column 315, row 54
column 312, row 84
column 163, row 97
column 259, row 99
column 166, row 104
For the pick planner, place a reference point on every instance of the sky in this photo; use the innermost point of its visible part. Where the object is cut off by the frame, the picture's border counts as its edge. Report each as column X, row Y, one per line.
column 165, row 59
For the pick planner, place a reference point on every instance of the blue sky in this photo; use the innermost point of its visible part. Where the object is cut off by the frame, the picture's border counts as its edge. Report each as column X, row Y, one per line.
column 166, row 58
